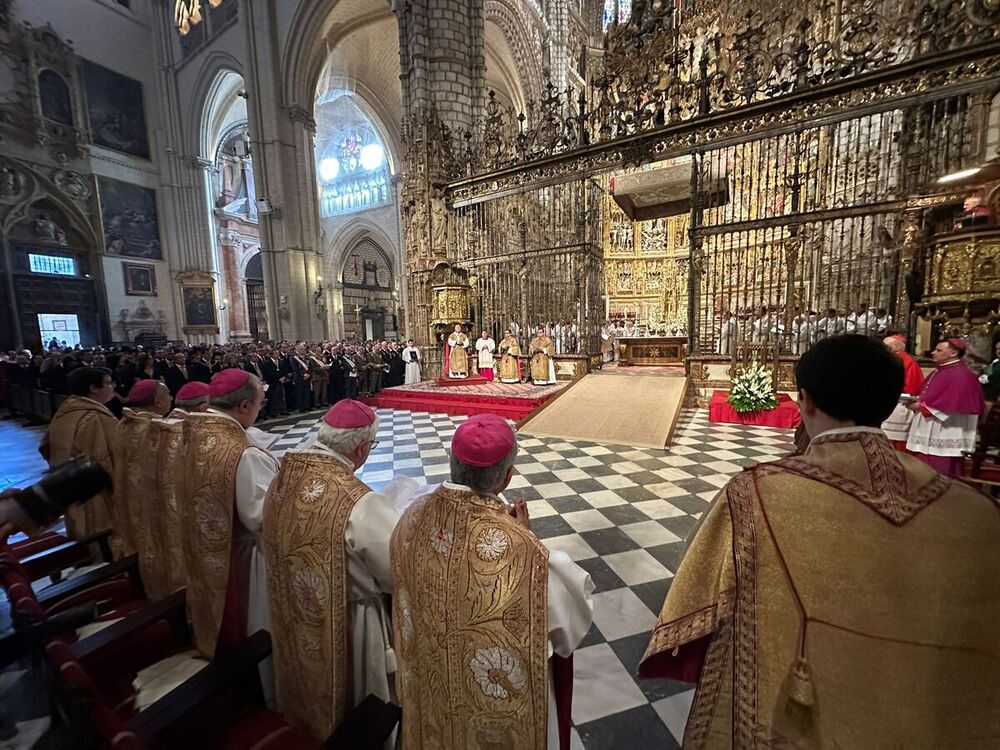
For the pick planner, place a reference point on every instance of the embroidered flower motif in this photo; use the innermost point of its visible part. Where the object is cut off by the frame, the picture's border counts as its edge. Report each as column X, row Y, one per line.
column 441, row 541
column 213, row 523
column 491, row 544
column 208, row 445
column 405, row 619
column 497, row 671
column 175, row 443
column 313, row 491
column 310, row 591
column 309, row 642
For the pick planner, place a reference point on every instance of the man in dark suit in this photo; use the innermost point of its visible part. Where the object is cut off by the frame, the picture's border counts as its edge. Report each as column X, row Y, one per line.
column 286, row 369
column 176, row 375
column 397, row 367
column 271, row 367
column 197, row 369
column 160, row 364
column 335, row 382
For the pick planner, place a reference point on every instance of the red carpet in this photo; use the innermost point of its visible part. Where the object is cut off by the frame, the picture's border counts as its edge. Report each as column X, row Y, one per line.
column 786, row 415
column 510, row 401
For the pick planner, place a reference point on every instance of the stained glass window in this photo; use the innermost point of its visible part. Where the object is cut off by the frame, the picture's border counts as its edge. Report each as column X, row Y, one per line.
column 351, row 161
column 623, row 7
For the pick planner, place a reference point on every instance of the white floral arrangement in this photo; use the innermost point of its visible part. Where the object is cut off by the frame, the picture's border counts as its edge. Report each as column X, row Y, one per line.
column 752, row 390
column 676, row 326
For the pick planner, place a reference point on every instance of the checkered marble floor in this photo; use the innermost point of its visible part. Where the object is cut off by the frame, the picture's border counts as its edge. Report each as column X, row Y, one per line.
column 623, row 515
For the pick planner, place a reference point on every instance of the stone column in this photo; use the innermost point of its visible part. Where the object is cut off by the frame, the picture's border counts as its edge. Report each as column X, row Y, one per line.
column 282, row 145
column 910, row 245
column 442, row 76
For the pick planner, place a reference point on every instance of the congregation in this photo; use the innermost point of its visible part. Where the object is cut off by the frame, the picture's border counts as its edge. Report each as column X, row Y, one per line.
column 414, row 592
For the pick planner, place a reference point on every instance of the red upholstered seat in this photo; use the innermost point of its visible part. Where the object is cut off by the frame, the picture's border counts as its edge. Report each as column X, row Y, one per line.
column 267, row 730
column 39, row 543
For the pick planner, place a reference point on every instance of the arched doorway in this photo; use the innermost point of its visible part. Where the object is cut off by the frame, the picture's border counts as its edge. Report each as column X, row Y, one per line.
column 367, row 278
column 256, row 309
column 54, row 290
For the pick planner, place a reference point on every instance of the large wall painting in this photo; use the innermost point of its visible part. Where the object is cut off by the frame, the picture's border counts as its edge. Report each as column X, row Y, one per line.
column 199, row 307
column 115, row 109
column 128, row 214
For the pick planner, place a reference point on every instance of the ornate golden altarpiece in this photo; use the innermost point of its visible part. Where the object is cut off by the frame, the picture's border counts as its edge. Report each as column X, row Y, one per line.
column 831, row 123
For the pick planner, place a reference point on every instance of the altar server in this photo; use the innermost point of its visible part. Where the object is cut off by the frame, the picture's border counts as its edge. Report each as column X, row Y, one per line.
column 480, row 605
column 485, row 346
column 411, row 355
column 727, row 333
column 947, row 412
column 510, row 364
column 226, row 476
column 326, row 537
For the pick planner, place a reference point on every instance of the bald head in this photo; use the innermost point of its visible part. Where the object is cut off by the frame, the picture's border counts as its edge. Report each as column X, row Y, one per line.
column 894, row 344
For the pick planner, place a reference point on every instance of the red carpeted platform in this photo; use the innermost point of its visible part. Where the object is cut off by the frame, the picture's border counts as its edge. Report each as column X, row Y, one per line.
column 512, row 401
column 442, row 381
column 786, row 415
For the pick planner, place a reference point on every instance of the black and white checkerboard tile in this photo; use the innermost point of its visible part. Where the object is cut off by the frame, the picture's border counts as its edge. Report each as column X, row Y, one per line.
column 623, row 514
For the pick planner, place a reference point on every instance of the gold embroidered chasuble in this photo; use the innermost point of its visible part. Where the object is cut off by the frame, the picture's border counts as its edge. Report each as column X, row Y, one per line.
column 131, row 486
column 842, row 599
column 470, row 622
column 458, row 355
column 508, row 369
column 305, row 517
column 82, row 425
column 542, row 350
column 160, row 536
column 213, row 446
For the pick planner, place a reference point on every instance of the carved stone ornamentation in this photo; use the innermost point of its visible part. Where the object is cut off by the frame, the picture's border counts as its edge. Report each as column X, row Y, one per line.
column 73, row 184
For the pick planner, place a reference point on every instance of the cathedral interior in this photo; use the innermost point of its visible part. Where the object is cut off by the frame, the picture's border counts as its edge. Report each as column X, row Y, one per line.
column 713, row 175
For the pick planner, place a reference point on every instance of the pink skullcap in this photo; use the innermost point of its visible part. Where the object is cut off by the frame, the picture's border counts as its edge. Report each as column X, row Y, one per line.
column 958, row 344
column 142, row 393
column 483, row 440
column 227, row 381
column 348, row 414
column 192, row 390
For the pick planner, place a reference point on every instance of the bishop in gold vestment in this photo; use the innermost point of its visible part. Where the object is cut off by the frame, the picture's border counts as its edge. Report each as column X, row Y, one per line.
column 456, row 356
column 226, row 476
column 479, row 607
column 509, row 370
column 146, row 399
column 326, row 539
column 842, row 599
column 83, row 424
column 542, row 350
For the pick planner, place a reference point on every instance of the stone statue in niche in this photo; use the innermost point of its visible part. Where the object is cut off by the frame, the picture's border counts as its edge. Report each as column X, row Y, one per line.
column 439, row 225
column 417, row 230
column 46, row 229
column 123, row 315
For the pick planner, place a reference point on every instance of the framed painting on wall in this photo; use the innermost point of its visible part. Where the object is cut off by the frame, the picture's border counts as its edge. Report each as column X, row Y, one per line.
column 129, row 218
column 140, row 279
column 199, row 307
column 115, row 111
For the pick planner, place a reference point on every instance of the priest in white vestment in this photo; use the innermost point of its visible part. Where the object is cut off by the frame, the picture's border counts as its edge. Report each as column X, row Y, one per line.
column 327, row 542
column 727, row 333
column 411, row 356
column 485, row 346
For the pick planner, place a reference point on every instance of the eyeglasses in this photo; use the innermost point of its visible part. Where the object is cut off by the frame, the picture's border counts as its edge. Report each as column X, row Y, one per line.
column 374, row 444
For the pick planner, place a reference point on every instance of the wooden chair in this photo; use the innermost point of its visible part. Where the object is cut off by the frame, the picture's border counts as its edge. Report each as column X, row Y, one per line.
column 982, row 466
